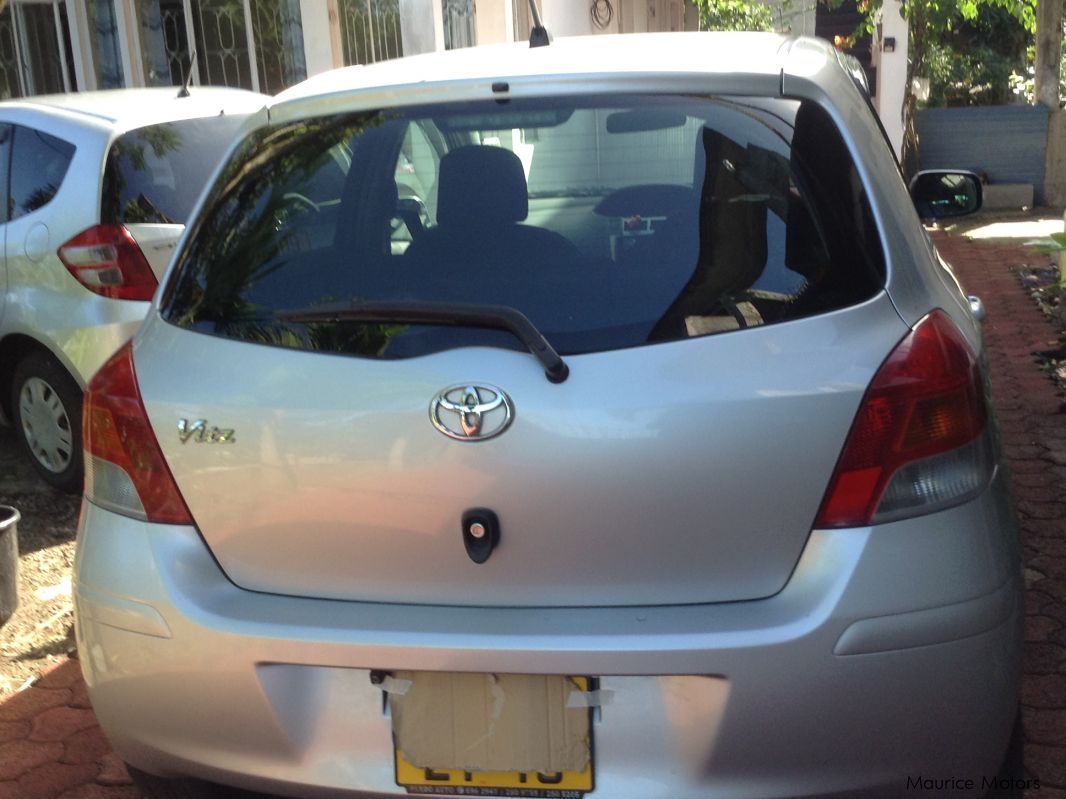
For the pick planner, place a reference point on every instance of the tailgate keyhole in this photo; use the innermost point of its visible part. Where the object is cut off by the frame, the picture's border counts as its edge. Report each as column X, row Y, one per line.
column 481, row 533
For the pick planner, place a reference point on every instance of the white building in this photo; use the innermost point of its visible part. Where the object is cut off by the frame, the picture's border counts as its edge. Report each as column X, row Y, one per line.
column 51, row 46
column 70, row 45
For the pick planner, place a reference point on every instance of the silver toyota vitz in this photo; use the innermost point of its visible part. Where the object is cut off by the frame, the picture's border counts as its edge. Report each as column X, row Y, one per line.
column 585, row 420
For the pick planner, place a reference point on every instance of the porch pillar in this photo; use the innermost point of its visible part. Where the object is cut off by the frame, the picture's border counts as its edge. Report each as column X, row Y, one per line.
column 421, row 26
column 318, row 20
column 891, row 73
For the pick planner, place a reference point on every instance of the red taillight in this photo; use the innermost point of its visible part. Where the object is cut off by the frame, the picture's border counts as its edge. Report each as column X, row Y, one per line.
column 107, row 261
column 927, row 399
column 125, row 470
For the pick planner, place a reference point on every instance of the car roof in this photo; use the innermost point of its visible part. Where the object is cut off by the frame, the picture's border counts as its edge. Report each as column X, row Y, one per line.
column 655, row 52
column 125, row 109
column 744, row 61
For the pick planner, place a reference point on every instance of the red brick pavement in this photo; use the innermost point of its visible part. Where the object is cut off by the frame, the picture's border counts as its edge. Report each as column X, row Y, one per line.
column 1032, row 418
column 51, row 747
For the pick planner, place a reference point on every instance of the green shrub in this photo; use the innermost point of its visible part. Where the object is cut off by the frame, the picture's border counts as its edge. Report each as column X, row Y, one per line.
column 980, row 76
column 734, row 15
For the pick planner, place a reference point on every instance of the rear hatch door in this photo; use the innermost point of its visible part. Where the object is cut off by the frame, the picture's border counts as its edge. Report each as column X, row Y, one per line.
column 721, row 320
column 690, row 472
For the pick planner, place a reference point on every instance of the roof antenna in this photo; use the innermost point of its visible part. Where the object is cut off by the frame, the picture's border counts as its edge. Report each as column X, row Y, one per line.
column 538, row 35
column 188, row 78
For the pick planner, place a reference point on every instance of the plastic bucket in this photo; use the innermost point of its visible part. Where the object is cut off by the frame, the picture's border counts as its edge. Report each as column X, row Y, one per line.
column 9, row 561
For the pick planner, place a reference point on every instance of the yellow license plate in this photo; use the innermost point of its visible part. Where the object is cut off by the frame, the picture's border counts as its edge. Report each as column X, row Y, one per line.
column 562, row 785
column 536, row 785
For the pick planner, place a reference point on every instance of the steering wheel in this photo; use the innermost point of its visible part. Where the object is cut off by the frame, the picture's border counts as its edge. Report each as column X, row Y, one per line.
column 299, row 202
column 412, row 213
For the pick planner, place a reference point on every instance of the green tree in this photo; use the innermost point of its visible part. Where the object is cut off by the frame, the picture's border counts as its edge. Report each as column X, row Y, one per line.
column 1049, row 61
column 734, row 15
column 978, row 61
column 928, row 21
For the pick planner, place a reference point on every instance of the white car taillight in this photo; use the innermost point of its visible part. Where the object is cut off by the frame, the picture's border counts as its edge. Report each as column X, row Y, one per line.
column 107, row 261
column 124, row 468
column 919, row 442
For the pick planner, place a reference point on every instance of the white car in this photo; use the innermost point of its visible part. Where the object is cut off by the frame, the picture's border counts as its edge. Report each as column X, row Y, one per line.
column 585, row 420
column 98, row 186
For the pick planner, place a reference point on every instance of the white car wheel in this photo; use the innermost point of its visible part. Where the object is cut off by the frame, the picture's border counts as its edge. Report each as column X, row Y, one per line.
column 46, row 406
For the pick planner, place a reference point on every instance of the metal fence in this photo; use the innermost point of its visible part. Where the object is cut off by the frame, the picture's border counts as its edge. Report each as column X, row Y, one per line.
column 370, row 30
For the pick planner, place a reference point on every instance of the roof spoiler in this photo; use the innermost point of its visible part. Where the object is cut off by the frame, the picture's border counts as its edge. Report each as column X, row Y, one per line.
column 853, row 67
column 538, row 34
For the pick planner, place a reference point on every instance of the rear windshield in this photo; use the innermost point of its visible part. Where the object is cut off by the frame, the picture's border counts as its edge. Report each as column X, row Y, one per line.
column 156, row 173
column 609, row 222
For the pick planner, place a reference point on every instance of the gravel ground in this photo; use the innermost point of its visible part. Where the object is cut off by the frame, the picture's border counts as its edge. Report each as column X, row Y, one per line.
column 1043, row 278
column 40, row 633
column 1041, row 273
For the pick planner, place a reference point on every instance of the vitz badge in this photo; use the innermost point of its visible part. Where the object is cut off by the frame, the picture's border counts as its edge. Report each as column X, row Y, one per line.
column 199, row 432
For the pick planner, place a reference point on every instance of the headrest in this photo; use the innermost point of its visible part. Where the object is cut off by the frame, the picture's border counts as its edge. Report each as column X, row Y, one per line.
column 479, row 185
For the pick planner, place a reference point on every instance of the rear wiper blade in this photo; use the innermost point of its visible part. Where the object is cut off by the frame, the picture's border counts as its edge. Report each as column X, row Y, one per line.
column 497, row 317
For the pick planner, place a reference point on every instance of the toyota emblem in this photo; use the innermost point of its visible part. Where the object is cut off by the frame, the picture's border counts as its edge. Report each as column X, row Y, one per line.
column 468, row 412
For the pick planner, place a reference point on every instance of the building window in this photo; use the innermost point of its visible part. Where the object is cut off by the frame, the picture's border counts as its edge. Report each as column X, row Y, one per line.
column 460, row 27
column 222, row 43
column 10, row 85
column 164, row 39
column 35, row 52
column 103, row 36
column 370, row 30
column 254, row 44
column 279, row 44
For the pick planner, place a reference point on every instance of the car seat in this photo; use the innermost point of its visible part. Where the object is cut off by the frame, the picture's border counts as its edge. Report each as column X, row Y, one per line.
column 481, row 201
column 732, row 239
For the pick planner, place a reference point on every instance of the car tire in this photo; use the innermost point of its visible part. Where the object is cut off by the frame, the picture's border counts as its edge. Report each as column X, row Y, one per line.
column 183, row 788
column 46, row 414
column 1010, row 779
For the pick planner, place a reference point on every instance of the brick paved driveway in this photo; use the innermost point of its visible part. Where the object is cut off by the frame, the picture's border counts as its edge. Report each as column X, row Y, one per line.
column 1032, row 418
column 50, row 746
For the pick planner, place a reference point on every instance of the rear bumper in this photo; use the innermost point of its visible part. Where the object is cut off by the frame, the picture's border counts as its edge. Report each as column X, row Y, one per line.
column 892, row 654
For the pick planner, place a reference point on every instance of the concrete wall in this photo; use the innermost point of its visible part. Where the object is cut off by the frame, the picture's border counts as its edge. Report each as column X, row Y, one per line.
column 1055, row 171
column 572, row 17
column 565, row 17
column 494, row 20
column 1006, row 142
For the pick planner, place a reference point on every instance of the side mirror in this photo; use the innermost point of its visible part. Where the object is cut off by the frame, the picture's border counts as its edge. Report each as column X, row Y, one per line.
column 939, row 194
